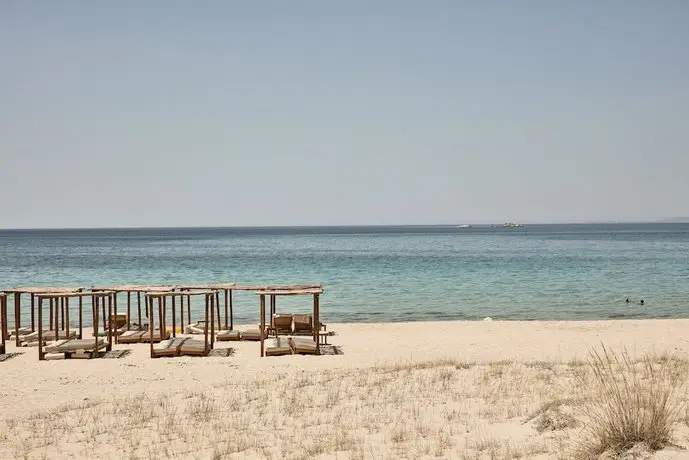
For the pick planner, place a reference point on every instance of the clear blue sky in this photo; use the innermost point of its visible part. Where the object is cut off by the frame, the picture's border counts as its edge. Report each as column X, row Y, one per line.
column 176, row 113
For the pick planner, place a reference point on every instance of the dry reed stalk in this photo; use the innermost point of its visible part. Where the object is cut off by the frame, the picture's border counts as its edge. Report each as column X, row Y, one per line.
column 634, row 403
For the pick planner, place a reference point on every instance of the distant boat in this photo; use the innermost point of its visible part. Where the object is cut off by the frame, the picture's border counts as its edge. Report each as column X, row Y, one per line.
column 509, row 224
column 464, row 226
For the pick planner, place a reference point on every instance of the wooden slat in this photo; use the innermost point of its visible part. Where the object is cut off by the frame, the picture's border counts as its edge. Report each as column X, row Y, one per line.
column 210, row 286
column 179, row 293
column 281, row 292
column 42, row 290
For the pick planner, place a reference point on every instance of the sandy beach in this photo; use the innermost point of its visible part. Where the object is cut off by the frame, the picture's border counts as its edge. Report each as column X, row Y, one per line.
column 398, row 390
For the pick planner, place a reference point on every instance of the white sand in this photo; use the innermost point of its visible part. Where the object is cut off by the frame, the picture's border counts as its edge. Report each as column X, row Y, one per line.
column 31, row 390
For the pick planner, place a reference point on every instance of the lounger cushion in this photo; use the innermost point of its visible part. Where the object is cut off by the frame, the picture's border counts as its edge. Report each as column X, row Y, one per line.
column 277, row 346
column 282, row 322
column 196, row 328
column 229, row 335
column 48, row 336
column 303, row 345
column 252, row 334
column 193, row 347
column 303, row 322
column 71, row 346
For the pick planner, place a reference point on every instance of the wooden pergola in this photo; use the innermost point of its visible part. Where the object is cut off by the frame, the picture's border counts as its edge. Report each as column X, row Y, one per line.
column 270, row 288
column 3, row 320
column 226, row 288
column 274, row 293
column 174, row 346
column 34, row 291
column 70, row 346
column 137, row 289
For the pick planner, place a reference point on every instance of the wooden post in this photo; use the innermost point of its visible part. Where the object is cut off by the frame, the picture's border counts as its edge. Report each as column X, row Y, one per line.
column 273, row 301
column 3, row 318
column 149, row 304
column 161, row 312
column 94, row 306
column 56, row 304
column 105, row 318
column 181, row 314
column 51, row 314
column 205, row 323
column 231, row 313
column 138, row 300
column 189, row 308
column 41, row 356
column 114, row 307
column 62, row 312
column 316, row 322
column 67, row 317
column 33, row 302
column 226, row 309
column 164, row 318
column 129, row 311
column 262, row 301
column 112, row 301
column 213, row 298
column 174, row 317
column 81, row 306
column 216, row 302
column 17, row 320
column 94, row 299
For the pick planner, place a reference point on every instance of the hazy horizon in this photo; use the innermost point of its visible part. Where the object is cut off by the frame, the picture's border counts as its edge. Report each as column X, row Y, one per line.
column 477, row 224
column 167, row 114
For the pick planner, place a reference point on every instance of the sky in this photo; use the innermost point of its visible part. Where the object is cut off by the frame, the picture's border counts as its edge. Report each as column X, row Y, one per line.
column 228, row 113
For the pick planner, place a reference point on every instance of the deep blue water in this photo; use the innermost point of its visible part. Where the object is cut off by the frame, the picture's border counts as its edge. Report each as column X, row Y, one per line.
column 384, row 274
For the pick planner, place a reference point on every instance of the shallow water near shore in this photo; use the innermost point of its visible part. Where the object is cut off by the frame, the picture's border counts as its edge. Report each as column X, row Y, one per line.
column 383, row 274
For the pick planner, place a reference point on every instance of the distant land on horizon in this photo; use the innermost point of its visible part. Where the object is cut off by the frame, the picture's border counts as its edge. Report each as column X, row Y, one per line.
column 671, row 220
column 675, row 220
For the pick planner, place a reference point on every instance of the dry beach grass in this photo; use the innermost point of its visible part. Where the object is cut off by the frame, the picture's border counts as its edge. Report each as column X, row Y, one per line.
column 446, row 408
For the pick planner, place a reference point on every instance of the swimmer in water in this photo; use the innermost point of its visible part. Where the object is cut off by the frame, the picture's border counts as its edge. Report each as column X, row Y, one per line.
column 641, row 301
column 627, row 301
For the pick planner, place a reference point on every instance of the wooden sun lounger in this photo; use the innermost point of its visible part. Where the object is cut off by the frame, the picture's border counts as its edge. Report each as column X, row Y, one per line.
column 169, row 347
column 253, row 334
column 277, row 346
column 77, row 348
column 282, row 323
column 132, row 328
column 131, row 336
column 48, row 336
column 142, row 336
column 303, row 345
column 303, row 325
column 12, row 333
column 192, row 347
column 228, row 336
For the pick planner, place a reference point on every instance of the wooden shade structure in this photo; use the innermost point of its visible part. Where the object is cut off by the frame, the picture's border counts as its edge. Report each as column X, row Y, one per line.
column 226, row 288
column 137, row 289
column 3, row 320
column 70, row 346
column 34, row 291
column 173, row 348
column 273, row 293
column 275, row 287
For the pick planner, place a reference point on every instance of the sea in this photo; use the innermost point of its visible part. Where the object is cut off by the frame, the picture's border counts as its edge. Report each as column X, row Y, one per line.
column 382, row 274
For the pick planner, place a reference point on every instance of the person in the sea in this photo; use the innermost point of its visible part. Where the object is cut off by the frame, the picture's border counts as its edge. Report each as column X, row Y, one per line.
column 627, row 300
column 641, row 301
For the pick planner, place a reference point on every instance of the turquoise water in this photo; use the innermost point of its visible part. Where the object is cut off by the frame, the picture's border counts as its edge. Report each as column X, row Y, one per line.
column 382, row 274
